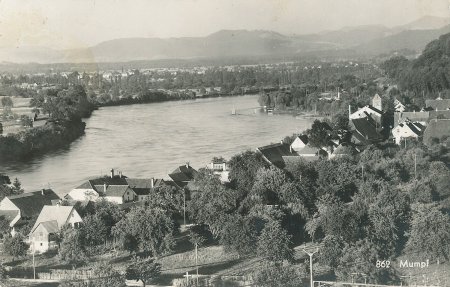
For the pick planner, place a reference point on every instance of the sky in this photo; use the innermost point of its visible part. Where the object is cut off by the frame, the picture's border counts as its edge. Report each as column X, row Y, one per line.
column 67, row 24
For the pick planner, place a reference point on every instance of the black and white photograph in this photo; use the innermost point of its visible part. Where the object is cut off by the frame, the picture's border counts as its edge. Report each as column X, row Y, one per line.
column 225, row 143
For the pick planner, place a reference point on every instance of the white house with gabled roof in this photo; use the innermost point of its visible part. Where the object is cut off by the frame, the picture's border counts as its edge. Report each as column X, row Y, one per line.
column 407, row 129
column 49, row 223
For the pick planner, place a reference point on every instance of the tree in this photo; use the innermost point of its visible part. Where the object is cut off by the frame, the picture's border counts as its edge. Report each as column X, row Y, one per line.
column 274, row 243
column 243, row 169
column 168, row 198
column 273, row 275
column 3, row 272
column 196, row 238
column 337, row 177
column 389, row 216
column 430, row 232
column 360, row 258
column 70, row 104
column 212, row 203
column 341, row 128
column 267, row 185
column 26, row 121
column 331, row 251
column 4, row 226
column 72, row 249
column 319, row 134
column 94, row 230
column 109, row 213
column 145, row 270
column 17, row 187
column 239, row 235
column 106, row 276
column 7, row 104
column 15, row 246
column 151, row 229
column 334, row 218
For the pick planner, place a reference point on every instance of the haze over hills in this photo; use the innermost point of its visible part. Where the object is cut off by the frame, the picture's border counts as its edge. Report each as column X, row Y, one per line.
column 363, row 40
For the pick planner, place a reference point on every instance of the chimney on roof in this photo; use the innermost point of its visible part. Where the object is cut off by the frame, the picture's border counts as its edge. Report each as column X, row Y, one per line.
column 120, row 174
column 152, row 182
column 112, row 172
column 187, row 164
column 43, row 191
column 281, row 142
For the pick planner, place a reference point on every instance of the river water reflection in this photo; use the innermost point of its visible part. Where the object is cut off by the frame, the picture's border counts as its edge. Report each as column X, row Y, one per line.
column 150, row 140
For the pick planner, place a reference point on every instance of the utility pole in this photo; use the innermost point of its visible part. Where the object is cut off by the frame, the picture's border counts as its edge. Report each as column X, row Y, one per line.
column 415, row 165
column 184, row 207
column 311, row 264
column 196, row 259
column 34, row 265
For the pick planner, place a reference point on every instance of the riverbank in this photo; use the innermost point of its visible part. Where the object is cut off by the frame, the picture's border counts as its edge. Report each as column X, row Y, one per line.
column 38, row 140
column 159, row 97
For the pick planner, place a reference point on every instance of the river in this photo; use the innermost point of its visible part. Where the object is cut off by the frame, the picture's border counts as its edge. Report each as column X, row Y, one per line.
column 151, row 140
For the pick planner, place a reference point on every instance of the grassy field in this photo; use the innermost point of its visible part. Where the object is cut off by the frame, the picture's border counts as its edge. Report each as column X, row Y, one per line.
column 214, row 262
column 435, row 274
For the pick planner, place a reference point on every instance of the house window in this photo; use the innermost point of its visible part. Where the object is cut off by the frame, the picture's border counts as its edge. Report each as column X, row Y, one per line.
column 41, row 243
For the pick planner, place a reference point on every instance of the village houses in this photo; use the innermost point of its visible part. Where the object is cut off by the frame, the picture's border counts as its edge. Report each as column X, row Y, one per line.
column 19, row 209
column 115, row 188
column 51, row 220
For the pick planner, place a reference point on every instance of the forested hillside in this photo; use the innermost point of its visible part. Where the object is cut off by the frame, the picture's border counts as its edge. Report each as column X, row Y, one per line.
column 429, row 73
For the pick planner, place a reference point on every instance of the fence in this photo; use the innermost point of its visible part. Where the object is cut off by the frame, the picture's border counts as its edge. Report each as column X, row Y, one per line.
column 61, row 274
column 213, row 281
column 50, row 274
column 350, row 284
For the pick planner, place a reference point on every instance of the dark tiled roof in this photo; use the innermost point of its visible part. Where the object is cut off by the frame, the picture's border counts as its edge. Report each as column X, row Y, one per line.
column 144, row 183
column 274, row 153
column 142, row 191
column 116, row 180
column 416, row 127
column 413, row 116
column 116, row 190
column 183, row 174
column 31, row 203
column 308, row 150
column 365, row 128
column 85, row 185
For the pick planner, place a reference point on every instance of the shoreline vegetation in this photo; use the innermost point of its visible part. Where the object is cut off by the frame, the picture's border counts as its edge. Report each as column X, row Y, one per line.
column 65, row 124
column 65, row 109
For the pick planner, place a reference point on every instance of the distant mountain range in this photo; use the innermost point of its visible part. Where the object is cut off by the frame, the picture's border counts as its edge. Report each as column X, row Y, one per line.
column 363, row 40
